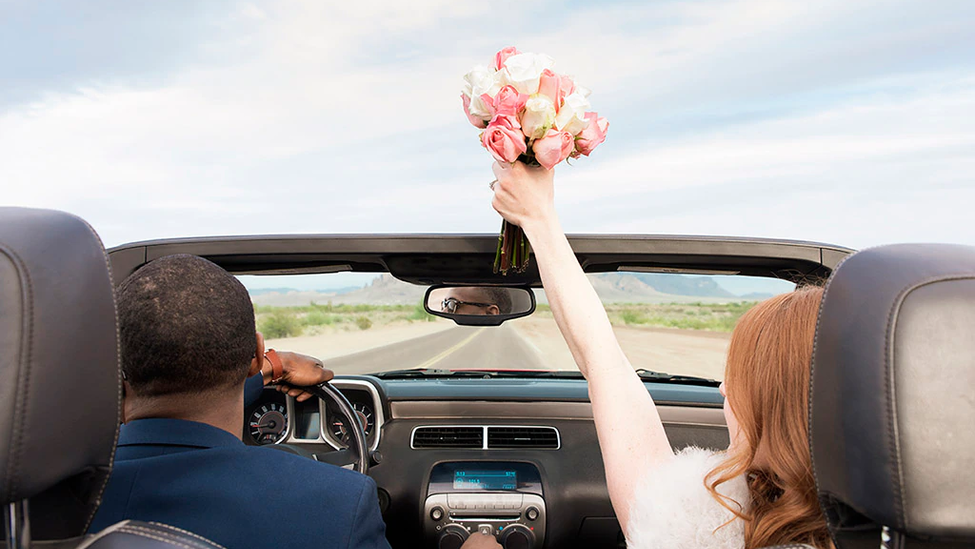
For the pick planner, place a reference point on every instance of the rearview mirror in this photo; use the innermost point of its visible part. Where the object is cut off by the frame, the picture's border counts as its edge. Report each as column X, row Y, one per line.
column 479, row 305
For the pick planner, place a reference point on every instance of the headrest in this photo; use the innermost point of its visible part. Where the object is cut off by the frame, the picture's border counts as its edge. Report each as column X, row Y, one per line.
column 59, row 366
column 892, row 402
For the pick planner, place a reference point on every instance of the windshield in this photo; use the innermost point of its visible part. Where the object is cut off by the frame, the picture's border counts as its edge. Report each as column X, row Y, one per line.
column 369, row 323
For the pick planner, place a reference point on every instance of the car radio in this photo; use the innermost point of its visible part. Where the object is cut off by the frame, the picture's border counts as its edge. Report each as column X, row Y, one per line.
column 503, row 499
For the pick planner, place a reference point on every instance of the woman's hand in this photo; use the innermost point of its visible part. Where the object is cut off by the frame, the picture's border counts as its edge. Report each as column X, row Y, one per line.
column 524, row 195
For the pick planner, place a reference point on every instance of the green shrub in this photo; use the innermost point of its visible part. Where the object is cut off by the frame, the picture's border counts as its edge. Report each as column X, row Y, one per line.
column 634, row 317
column 419, row 313
column 363, row 322
column 279, row 324
column 318, row 318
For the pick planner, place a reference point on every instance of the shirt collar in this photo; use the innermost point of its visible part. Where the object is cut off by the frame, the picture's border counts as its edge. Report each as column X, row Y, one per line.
column 176, row 432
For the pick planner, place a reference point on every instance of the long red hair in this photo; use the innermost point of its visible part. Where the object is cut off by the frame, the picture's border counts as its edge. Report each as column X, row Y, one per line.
column 767, row 381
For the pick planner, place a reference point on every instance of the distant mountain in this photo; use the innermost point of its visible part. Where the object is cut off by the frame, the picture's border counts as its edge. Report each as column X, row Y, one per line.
column 686, row 285
column 330, row 291
column 384, row 290
column 262, row 291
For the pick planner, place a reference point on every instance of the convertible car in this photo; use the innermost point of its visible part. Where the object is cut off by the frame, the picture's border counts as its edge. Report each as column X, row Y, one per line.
column 490, row 425
column 453, row 388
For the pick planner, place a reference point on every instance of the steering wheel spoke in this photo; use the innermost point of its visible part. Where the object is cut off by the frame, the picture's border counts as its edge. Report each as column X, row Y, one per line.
column 357, row 453
column 341, row 458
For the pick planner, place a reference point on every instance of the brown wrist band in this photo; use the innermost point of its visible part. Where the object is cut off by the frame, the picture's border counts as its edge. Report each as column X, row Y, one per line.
column 277, row 367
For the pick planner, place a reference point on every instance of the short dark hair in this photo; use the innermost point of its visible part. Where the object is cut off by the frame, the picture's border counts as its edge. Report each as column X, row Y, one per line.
column 500, row 297
column 186, row 326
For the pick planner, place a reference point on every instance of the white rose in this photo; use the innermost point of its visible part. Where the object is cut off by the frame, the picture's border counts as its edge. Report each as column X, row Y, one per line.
column 477, row 78
column 572, row 115
column 539, row 116
column 523, row 71
column 478, row 81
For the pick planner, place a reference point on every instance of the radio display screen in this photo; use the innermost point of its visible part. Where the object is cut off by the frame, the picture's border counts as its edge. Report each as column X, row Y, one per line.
column 498, row 479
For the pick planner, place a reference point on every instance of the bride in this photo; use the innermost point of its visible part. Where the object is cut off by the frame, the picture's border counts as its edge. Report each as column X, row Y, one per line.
column 759, row 492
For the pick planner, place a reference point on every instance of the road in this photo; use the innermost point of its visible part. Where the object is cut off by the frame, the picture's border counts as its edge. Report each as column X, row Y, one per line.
column 474, row 348
column 520, row 344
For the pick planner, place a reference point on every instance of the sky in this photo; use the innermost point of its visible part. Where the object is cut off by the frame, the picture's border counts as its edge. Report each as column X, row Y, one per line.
column 851, row 123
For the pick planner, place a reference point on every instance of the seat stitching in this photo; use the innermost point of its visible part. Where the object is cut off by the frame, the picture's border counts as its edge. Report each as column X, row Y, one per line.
column 147, row 534
column 809, row 411
column 20, row 404
column 118, row 374
column 186, row 532
column 889, row 379
column 172, row 536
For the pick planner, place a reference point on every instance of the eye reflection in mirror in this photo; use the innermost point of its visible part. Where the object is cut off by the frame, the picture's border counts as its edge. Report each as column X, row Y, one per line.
column 479, row 305
column 475, row 300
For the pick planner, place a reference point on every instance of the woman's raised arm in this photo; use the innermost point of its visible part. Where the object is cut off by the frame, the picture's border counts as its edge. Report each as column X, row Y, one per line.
column 631, row 436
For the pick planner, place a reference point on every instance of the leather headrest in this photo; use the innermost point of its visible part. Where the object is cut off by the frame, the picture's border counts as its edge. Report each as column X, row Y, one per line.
column 59, row 366
column 892, row 403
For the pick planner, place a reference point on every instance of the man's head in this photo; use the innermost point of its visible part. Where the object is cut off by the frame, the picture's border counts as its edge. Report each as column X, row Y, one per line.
column 187, row 326
column 479, row 300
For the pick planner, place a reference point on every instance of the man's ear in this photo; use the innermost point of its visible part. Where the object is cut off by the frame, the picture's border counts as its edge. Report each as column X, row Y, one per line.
column 493, row 310
column 258, row 361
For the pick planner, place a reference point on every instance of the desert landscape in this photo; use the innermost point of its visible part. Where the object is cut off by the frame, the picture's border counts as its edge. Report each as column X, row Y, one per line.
column 383, row 326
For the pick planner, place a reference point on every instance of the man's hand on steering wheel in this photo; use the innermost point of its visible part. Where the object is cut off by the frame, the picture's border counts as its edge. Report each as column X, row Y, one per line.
column 299, row 371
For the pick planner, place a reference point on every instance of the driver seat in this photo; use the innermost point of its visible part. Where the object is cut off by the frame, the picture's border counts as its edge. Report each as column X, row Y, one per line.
column 61, row 387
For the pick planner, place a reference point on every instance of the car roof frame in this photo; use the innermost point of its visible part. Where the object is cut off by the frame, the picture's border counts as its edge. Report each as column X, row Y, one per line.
column 468, row 258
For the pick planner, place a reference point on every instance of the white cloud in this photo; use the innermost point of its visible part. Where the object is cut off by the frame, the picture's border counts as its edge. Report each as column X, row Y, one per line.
column 346, row 118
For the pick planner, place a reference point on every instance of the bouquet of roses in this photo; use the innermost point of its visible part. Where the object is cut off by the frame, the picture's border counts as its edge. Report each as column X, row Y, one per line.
column 532, row 114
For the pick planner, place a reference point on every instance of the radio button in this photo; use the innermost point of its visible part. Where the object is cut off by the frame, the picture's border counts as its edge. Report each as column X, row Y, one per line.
column 436, row 513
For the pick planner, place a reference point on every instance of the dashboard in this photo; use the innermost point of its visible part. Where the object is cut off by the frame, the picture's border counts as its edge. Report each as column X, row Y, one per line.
column 277, row 419
column 514, row 457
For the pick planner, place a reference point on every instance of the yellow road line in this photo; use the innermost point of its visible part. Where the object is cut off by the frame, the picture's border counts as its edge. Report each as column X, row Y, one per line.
column 450, row 351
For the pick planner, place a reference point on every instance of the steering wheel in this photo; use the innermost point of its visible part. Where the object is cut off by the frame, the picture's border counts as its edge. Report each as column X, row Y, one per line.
column 358, row 450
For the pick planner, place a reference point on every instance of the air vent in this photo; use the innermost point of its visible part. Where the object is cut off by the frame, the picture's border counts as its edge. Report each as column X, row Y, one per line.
column 448, row 437
column 523, row 437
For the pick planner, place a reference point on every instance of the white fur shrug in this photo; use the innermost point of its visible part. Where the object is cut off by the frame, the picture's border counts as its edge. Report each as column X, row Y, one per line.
column 673, row 510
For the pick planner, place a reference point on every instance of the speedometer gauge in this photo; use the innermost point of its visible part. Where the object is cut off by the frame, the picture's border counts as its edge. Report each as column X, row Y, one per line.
column 268, row 423
column 366, row 416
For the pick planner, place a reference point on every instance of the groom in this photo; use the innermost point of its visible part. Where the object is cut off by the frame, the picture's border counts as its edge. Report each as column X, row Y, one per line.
column 188, row 342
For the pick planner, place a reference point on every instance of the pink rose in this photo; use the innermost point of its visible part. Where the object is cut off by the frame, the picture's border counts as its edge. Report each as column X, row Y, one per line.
column 509, row 102
column 503, row 138
column 489, row 104
column 503, row 55
column 549, row 84
column 555, row 147
column 566, row 87
column 593, row 135
column 478, row 123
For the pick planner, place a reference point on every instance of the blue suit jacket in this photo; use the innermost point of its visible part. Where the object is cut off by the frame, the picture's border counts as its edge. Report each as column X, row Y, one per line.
column 205, row 480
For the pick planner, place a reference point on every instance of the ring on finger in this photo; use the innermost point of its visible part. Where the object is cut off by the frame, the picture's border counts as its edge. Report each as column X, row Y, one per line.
column 492, row 184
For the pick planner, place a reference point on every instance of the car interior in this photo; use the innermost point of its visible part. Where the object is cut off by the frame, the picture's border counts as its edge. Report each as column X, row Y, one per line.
column 507, row 451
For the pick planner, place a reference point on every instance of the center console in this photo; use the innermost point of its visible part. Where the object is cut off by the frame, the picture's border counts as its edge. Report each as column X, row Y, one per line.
column 503, row 499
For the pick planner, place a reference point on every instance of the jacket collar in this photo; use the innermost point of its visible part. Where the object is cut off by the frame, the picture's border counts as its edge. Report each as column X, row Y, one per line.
column 174, row 432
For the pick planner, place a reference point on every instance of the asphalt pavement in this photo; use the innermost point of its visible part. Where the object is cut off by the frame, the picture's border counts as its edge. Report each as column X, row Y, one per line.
column 462, row 347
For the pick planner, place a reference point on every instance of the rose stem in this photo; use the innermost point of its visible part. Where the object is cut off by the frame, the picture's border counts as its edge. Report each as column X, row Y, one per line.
column 505, row 254
column 497, row 253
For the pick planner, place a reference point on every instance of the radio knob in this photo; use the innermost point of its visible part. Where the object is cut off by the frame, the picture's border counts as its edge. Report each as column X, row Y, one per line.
column 453, row 537
column 516, row 536
column 531, row 513
column 436, row 513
